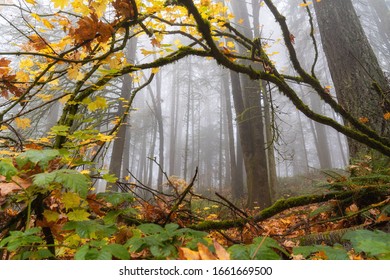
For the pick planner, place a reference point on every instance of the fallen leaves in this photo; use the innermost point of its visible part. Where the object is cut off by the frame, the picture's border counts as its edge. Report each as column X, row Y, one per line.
column 204, row 253
column 16, row 184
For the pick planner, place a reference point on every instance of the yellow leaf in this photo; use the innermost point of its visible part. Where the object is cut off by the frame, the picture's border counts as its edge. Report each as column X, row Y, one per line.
column 71, row 200
column 22, row 76
column 47, row 23
column 74, row 73
column 306, row 4
column 45, row 97
column 230, row 44
column 99, row 103
column 23, row 123
column 78, row 215
column 51, row 216
column 26, row 63
column 32, row 2
column 155, row 70
column 60, row 3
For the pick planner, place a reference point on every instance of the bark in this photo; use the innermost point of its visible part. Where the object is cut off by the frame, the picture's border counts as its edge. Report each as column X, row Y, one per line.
column 119, row 142
column 236, row 179
column 360, row 84
column 251, row 128
column 186, row 145
column 173, row 123
column 321, row 142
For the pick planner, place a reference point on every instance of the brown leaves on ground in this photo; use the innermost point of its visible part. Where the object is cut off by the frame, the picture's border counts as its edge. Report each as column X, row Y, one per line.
column 16, row 184
column 204, row 253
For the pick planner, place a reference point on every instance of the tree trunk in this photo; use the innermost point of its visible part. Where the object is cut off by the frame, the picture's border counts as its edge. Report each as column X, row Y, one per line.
column 235, row 174
column 119, row 142
column 251, row 128
column 359, row 81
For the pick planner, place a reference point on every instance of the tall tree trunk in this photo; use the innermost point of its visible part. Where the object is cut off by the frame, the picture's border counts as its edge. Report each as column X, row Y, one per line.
column 322, row 144
column 235, row 174
column 186, row 145
column 359, row 81
column 269, row 134
column 119, row 142
column 251, row 128
column 173, row 123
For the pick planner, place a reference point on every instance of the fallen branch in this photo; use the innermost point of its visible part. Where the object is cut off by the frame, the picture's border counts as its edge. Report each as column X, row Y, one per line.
column 284, row 204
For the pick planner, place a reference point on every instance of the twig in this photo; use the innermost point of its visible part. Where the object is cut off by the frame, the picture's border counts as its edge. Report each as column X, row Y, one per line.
column 231, row 205
column 182, row 196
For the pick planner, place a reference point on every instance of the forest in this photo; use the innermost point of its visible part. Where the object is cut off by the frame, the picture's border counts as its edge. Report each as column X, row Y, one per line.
column 195, row 129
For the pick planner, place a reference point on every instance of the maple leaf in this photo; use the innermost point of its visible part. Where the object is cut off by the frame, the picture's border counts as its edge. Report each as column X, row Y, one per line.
column 386, row 116
column 60, row 3
column 105, row 31
column 37, row 42
column 23, row 123
column 4, row 66
column 363, row 120
column 86, row 30
column 124, row 8
column 99, row 103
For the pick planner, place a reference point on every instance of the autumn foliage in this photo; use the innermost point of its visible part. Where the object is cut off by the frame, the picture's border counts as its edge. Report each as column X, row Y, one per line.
column 49, row 208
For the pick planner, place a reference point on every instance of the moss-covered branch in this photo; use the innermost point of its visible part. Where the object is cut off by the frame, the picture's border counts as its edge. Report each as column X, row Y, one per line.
column 284, row 204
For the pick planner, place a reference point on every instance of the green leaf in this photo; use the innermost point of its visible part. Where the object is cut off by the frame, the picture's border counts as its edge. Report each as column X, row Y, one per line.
column 60, row 130
column 118, row 251
column 7, row 168
column 17, row 239
column 73, row 180
column 373, row 243
column 333, row 253
column 110, row 178
column 150, row 228
column 171, row 227
column 41, row 157
column 78, row 215
column 81, row 252
column 90, row 229
column 116, row 198
column 43, row 179
column 238, row 252
column 135, row 244
column 263, row 248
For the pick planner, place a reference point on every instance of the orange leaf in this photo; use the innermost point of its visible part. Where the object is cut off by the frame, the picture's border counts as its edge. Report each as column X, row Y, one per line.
column 363, row 120
column 383, row 218
column 188, row 254
column 221, row 253
column 16, row 185
column 205, row 253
